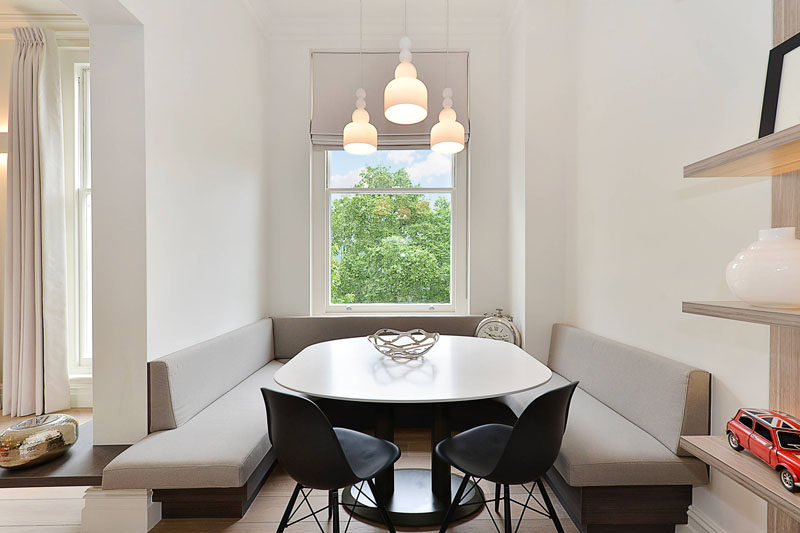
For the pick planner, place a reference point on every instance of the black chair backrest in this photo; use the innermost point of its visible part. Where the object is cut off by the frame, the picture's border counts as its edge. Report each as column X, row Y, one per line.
column 305, row 443
column 536, row 438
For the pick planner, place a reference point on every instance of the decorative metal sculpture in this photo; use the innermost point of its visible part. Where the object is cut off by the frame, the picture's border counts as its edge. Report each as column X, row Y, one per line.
column 37, row 440
column 403, row 345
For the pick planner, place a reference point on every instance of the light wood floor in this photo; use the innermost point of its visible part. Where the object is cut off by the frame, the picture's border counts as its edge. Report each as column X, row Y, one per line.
column 58, row 510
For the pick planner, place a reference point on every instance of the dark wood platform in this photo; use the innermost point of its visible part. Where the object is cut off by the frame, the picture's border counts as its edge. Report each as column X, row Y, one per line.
column 223, row 502
column 627, row 509
column 82, row 465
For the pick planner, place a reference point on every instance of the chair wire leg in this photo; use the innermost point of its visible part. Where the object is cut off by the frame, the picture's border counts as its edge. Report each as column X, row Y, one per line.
column 333, row 502
column 381, row 506
column 456, row 500
column 330, row 504
column 507, row 509
column 550, row 508
column 497, row 497
column 288, row 512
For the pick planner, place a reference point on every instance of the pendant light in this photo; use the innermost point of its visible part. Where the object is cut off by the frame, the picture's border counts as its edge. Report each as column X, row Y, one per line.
column 405, row 99
column 359, row 136
column 447, row 135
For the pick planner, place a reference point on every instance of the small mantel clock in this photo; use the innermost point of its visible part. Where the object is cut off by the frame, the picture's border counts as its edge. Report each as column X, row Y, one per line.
column 499, row 326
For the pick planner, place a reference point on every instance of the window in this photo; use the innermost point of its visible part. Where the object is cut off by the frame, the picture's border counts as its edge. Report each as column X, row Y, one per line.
column 746, row 421
column 763, row 432
column 389, row 232
column 76, row 80
column 789, row 440
column 83, row 223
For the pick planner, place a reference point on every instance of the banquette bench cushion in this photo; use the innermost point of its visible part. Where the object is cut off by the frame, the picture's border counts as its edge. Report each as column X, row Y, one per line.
column 627, row 415
column 207, row 417
column 208, row 429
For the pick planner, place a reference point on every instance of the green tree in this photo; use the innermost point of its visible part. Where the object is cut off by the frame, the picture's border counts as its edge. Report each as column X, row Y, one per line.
column 389, row 248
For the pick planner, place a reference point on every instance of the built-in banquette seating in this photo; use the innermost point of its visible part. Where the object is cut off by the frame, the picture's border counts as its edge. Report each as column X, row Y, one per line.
column 208, row 452
column 621, row 468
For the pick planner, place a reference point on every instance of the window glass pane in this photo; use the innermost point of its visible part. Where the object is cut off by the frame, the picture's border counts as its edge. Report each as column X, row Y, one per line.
column 763, row 431
column 390, row 248
column 789, row 440
column 747, row 421
column 390, row 168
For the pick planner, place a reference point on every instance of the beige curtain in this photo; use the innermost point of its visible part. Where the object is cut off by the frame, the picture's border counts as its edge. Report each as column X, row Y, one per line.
column 35, row 378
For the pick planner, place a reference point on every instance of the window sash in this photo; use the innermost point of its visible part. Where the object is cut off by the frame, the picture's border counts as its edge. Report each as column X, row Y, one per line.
column 321, row 242
column 83, row 217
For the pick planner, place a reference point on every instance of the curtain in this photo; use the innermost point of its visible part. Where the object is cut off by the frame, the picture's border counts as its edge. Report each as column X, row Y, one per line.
column 35, row 377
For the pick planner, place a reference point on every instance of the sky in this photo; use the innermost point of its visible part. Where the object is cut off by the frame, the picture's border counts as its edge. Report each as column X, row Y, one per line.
column 425, row 167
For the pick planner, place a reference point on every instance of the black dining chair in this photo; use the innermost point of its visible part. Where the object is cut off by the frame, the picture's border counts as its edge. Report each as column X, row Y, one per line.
column 512, row 455
column 319, row 456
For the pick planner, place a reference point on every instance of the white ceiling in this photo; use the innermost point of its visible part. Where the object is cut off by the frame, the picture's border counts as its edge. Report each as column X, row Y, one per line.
column 384, row 8
column 278, row 16
column 33, row 7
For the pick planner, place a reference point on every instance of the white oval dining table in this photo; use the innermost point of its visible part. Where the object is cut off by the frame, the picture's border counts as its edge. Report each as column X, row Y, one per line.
column 456, row 369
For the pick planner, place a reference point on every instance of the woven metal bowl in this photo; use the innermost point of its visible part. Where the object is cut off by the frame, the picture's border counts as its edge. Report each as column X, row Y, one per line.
column 403, row 345
column 37, row 440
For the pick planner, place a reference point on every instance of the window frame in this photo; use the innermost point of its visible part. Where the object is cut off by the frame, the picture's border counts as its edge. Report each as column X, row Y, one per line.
column 77, row 169
column 321, row 239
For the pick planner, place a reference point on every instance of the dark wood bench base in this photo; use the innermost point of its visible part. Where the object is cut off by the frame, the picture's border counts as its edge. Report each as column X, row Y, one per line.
column 230, row 502
column 630, row 509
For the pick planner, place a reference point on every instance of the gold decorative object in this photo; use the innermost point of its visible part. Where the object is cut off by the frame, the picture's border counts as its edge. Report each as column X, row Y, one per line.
column 37, row 440
column 403, row 345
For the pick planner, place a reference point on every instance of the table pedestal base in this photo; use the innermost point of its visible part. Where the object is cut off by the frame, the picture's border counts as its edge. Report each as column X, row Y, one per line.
column 412, row 503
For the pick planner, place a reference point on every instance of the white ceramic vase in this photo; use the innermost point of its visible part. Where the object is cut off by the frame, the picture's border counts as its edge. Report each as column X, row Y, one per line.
column 767, row 273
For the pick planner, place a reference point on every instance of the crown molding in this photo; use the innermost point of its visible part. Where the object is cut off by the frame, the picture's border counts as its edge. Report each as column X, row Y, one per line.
column 52, row 21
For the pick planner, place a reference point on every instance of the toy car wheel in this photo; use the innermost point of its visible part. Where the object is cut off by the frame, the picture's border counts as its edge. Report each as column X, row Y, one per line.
column 734, row 442
column 787, row 480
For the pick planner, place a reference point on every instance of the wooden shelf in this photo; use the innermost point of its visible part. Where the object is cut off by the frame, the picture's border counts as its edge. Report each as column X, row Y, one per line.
column 745, row 313
column 82, row 465
column 772, row 155
column 745, row 469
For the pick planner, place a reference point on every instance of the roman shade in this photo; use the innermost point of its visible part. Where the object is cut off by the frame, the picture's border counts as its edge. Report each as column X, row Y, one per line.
column 336, row 76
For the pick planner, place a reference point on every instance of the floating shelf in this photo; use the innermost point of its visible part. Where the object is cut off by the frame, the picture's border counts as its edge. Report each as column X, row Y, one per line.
column 745, row 313
column 772, row 155
column 82, row 465
column 745, row 469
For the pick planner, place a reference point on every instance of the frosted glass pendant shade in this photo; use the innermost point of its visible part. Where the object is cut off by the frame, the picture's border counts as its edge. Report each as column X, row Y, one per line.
column 359, row 136
column 405, row 99
column 447, row 135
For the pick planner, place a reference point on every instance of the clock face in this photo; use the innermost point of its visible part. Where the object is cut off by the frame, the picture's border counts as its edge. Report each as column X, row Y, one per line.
column 497, row 330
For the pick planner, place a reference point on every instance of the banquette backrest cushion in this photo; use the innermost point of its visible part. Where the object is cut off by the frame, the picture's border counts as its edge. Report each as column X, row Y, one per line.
column 185, row 382
column 292, row 334
column 635, row 383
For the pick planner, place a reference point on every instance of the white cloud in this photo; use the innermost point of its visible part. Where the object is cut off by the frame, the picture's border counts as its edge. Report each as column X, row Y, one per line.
column 347, row 180
column 435, row 165
column 399, row 157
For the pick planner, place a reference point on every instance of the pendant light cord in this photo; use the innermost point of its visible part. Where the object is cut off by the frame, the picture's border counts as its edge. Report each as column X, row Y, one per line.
column 447, row 40
column 361, row 38
column 405, row 17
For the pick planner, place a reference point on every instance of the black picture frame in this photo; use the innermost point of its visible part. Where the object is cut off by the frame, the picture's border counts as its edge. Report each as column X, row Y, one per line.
column 772, row 88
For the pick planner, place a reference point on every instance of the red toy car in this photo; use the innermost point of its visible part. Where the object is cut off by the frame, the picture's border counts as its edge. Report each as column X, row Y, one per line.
column 758, row 431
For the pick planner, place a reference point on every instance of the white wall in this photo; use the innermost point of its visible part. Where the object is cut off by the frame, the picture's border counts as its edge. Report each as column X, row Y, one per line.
column 205, row 65
column 288, row 150
column 661, row 84
column 541, row 130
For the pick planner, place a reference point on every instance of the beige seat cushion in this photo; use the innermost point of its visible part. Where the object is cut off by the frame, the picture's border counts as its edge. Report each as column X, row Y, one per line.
column 602, row 448
column 293, row 333
column 219, row 447
column 664, row 397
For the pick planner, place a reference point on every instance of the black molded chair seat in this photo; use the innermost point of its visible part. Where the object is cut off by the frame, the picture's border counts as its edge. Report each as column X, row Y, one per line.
column 509, row 455
column 367, row 456
column 319, row 456
column 476, row 451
